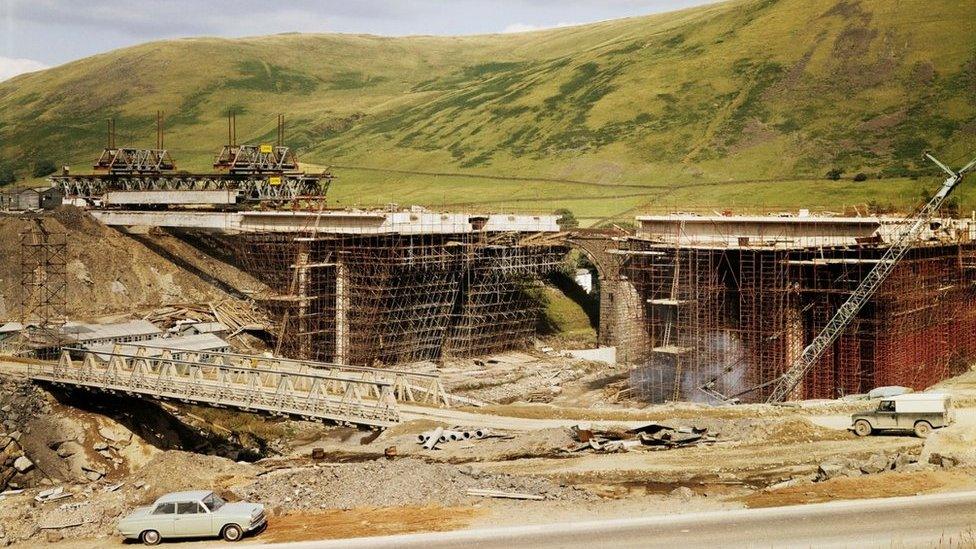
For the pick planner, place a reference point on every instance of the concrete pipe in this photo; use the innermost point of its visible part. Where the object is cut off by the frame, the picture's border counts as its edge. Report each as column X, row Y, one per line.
column 453, row 435
column 481, row 433
column 434, row 438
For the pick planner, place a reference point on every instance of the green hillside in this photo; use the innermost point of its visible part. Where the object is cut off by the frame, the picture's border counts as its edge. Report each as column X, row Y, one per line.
column 744, row 105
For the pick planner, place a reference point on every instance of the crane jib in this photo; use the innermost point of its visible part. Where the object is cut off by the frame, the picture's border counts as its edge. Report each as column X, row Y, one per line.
column 903, row 242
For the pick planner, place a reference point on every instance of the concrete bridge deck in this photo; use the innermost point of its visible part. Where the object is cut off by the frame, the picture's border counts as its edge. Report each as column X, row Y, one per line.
column 331, row 221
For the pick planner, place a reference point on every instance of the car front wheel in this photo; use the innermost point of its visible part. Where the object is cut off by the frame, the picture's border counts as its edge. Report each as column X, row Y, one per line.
column 232, row 532
column 150, row 537
column 862, row 428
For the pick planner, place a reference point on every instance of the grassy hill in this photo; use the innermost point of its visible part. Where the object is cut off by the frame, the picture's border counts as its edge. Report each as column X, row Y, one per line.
column 744, row 105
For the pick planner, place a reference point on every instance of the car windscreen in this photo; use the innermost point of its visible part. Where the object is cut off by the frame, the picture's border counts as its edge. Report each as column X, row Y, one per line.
column 213, row 502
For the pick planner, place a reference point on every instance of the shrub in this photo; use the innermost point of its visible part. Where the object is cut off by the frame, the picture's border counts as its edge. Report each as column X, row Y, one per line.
column 861, row 177
column 43, row 167
column 834, row 174
column 566, row 219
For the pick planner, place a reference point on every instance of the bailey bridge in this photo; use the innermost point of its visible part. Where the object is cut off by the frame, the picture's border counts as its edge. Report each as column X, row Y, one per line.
column 309, row 390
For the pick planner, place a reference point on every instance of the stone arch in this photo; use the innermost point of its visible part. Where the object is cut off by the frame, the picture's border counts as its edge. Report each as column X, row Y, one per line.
column 620, row 306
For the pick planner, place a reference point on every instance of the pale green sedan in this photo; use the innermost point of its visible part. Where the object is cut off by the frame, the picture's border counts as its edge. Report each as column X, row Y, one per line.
column 195, row 514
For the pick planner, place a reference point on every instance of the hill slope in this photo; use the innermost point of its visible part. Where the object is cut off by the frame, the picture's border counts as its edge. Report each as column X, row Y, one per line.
column 744, row 103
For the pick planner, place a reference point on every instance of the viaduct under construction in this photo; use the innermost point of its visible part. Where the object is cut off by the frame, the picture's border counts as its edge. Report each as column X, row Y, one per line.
column 707, row 308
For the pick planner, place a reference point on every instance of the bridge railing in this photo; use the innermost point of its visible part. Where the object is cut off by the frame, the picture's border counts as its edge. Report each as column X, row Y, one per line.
column 311, row 395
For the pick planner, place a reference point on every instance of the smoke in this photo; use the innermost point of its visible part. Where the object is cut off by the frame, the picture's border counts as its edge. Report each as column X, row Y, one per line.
column 719, row 357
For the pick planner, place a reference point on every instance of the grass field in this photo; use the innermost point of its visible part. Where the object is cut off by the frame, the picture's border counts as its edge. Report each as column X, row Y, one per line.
column 744, row 105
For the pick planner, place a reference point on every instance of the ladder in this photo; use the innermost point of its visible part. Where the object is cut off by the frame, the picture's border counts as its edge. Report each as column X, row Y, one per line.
column 902, row 242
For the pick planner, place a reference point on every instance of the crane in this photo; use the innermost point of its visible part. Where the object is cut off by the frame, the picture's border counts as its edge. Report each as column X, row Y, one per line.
column 902, row 242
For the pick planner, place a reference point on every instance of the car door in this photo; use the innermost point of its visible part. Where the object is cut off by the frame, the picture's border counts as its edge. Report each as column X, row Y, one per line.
column 162, row 518
column 192, row 520
column 886, row 418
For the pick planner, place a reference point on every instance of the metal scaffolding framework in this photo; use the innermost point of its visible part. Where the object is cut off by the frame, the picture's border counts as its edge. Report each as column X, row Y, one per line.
column 44, row 283
column 712, row 322
column 398, row 298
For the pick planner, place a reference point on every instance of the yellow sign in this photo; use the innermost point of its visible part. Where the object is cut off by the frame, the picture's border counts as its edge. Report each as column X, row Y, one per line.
column 274, row 180
column 266, row 149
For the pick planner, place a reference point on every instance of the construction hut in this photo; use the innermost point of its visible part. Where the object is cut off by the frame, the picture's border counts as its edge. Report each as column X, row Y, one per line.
column 30, row 198
column 120, row 332
column 154, row 347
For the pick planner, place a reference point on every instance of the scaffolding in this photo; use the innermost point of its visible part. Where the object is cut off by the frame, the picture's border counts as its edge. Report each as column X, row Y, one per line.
column 718, row 321
column 43, row 270
column 395, row 298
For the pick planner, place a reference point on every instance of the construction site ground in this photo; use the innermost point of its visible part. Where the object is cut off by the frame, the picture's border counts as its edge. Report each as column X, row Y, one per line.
column 367, row 483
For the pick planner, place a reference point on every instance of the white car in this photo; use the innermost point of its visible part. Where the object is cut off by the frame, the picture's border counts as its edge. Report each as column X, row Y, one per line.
column 195, row 514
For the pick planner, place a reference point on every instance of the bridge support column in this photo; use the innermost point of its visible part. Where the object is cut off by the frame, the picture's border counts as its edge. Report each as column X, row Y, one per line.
column 301, row 275
column 606, row 335
column 341, row 315
column 625, row 320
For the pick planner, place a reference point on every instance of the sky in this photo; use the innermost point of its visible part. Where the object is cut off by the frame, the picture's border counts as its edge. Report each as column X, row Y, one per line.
column 36, row 34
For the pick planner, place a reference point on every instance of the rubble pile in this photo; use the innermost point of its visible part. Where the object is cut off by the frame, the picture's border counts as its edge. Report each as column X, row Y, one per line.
column 876, row 463
column 77, row 511
column 390, row 483
column 175, row 470
column 18, row 403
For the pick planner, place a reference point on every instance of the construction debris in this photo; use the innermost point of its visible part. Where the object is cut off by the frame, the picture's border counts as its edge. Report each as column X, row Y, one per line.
column 52, row 494
column 22, row 464
column 662, row 435
column 398, row 482
column 652, row 435
column 499, row 494
column 238, row 317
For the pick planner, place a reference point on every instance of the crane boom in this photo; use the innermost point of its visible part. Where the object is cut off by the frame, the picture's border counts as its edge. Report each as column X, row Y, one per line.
column 902, row 242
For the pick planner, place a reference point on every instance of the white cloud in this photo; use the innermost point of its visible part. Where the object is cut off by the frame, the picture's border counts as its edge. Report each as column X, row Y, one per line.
column 524, row 27
column 12, row 66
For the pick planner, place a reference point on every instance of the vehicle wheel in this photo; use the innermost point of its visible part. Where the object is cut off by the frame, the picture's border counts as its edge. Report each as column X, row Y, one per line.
column 923, row 429
column 150, row 537
column 232, row 532
column 862, row 428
